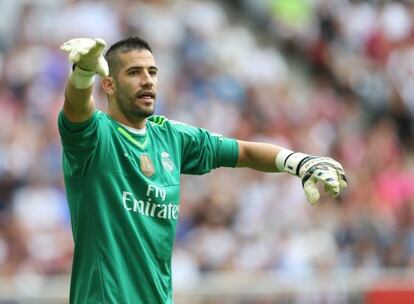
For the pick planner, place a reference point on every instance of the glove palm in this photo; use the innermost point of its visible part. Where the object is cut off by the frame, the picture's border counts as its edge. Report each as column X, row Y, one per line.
column 87, row 54
column 323, row 170
column 313, row 170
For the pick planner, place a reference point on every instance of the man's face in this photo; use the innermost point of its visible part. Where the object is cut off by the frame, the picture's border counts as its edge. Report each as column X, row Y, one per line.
column 136, row 83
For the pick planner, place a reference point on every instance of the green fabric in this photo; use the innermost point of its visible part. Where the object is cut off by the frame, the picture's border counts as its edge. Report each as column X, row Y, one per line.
column 123, row 194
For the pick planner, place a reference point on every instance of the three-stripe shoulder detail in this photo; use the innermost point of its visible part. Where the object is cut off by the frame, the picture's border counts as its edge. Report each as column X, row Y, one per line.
column 157, row 120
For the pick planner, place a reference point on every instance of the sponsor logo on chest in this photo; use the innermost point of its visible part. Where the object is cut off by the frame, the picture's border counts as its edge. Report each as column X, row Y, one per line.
column 154, row 203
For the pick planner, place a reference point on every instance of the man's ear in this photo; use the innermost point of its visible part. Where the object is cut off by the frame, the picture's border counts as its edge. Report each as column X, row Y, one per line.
column 108, row 85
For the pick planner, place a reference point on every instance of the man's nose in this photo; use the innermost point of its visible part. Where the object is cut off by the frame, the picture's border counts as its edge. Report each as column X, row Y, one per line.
column 147, row 80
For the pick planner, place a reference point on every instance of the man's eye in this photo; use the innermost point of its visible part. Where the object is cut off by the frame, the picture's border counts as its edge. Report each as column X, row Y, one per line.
column 133, row 73
column 153, row 73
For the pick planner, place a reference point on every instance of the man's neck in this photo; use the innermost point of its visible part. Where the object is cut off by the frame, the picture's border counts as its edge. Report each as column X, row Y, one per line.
column 135, row 130
column 132, row 122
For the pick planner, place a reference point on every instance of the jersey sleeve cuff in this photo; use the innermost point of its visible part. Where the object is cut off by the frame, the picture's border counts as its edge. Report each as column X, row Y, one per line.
column 229, row 152
column 74, row 126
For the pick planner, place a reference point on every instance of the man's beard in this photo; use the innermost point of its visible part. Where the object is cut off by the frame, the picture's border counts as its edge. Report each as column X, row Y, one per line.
column 141, row 113
column 131, row 109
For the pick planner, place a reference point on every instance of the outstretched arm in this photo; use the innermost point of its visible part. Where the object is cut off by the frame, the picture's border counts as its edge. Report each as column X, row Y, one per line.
column 310, row 169
column 87, row 56
column 258, row 156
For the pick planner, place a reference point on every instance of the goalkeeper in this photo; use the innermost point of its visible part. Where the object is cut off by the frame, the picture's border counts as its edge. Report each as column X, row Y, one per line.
column 122, row 173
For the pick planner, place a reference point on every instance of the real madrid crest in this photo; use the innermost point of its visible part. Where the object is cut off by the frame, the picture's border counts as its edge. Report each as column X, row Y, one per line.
column 167, row 162
column 146, row 165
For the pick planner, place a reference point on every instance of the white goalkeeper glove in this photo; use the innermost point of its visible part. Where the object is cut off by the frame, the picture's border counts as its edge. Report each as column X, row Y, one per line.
column 87, row 56
column 311, row 170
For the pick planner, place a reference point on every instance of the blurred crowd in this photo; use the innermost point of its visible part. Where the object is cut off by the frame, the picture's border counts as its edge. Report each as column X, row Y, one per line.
column 325, row 77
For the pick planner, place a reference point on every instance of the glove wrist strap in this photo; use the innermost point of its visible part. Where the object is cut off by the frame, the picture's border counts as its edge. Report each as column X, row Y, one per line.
column 82, row 79
column 289, row 161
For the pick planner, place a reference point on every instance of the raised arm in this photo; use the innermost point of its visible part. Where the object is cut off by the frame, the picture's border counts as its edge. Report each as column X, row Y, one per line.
column 87, row 56
column 310, row 169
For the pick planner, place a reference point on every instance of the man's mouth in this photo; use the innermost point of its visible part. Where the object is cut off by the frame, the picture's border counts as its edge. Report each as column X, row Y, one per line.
column 146, row 95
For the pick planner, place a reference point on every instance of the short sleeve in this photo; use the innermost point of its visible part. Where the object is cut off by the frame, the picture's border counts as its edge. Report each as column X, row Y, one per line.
column 79, row 141
column 203, row 151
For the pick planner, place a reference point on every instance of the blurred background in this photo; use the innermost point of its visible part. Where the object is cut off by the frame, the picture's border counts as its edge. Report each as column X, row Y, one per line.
column 325, row 77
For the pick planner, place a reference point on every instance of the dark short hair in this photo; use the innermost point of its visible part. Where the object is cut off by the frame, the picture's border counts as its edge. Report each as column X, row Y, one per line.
column 124, row 46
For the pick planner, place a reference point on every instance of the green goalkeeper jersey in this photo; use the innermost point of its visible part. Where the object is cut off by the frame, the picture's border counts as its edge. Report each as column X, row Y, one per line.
column 123, row 192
